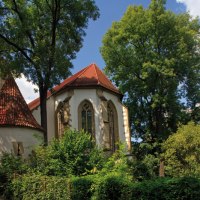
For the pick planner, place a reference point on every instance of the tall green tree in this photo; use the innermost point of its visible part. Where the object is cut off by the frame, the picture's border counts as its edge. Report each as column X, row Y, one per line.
column 42, row 37
column 152, row 55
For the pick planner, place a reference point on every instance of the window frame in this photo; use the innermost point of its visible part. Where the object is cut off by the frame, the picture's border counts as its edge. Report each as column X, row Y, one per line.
column 80, row 121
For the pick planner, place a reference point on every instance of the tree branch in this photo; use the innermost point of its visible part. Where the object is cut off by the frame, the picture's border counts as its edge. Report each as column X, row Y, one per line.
column 17, row 47
column 22, row 21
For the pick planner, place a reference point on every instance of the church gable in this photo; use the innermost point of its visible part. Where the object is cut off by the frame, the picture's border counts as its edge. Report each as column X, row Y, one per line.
column 91, row 76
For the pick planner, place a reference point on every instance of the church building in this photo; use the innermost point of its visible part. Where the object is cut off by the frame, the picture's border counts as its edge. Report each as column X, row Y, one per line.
column 19, row 131
column 87, row 100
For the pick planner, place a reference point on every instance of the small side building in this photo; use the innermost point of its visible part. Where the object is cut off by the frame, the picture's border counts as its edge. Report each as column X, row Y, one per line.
column 19, row 131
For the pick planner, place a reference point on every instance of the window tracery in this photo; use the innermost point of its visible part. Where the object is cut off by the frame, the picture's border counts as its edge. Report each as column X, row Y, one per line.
column 113, row 126
column 86, row 117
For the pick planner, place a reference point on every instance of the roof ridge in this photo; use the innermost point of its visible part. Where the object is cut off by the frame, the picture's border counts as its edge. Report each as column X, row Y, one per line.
column 112, row 86
column 91, row 75
column 81, row 72
column 95, row 67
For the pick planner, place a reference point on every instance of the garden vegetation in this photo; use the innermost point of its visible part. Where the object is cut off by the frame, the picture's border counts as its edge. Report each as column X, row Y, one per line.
column 73, row 167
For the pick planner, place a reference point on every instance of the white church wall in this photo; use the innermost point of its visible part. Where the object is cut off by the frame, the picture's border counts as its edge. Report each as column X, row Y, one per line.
column 36, row 115
column 60, row 98
column 90, row 95
column 78, row 96
column 30, row 138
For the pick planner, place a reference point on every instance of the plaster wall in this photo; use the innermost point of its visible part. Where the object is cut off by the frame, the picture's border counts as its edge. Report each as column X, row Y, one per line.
column 36, row 115
column 76, row 99
column 90, row 95
column 29, row 137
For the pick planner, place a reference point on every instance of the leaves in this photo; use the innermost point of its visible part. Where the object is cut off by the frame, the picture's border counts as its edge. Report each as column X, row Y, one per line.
column 151, row 54
column 40, row 38
column 182, row 151
column 73, row 154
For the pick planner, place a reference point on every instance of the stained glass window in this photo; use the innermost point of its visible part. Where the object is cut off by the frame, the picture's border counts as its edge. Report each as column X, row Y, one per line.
column 113, row 126
column 86, row 117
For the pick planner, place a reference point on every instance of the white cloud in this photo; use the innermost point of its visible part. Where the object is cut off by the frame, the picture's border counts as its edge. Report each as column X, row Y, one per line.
column 193, row 6
column 27, row 89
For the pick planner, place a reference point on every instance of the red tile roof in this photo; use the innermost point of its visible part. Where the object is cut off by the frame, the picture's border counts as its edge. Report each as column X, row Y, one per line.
column 89, row 76
column 13, row 109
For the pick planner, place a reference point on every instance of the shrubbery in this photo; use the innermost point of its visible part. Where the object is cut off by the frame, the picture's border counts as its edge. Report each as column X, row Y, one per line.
column 182, row 152
column 167, row 189
column 73, row 154
column 40, row 187
column 9, row 167
column 72, row 168
column 112, row 186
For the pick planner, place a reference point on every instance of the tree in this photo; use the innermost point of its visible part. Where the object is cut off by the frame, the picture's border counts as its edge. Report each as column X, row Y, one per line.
column 41, row 37
column 152, row 55
column 182, row 151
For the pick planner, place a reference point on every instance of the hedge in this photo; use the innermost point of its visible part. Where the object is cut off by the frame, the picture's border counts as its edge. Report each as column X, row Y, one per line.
column 185, row 188
column 109, row 187
column 39, row 187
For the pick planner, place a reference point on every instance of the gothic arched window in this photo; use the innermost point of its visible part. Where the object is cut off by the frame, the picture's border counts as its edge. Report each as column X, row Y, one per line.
column 113, row 126
column 86, row 117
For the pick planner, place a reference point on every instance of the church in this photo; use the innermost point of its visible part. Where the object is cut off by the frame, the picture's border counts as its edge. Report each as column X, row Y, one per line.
column 87, row 100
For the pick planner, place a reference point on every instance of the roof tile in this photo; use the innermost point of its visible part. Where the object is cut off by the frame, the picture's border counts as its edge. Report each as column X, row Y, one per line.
column 89, row 76
column 13, row 109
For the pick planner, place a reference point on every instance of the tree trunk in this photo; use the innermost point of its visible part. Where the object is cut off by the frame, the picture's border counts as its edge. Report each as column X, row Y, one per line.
column 43, row 112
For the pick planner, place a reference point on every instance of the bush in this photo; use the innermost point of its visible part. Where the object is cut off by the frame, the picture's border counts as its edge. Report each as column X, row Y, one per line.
column 113, row 186
column 73, row 154
column 40, row 187
column 182, row 152
column 10, row 166
column 145, row 169
column 167, row 189
column 82, row 187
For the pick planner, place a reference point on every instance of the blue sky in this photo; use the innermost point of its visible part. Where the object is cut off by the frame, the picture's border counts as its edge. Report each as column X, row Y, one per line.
column 110, row 11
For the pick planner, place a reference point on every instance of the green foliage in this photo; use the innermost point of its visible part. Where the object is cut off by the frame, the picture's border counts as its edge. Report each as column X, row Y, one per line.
column 41, row 187
column 31, row 186
column 145, row 162
column 167, row 189
column 182, row 151
column 82, row 187
column 40, row 38
column 10, row 166
column 117, row 162
column 112, row 186
column 73, row 154
column 144, row 169
column 159, row 49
